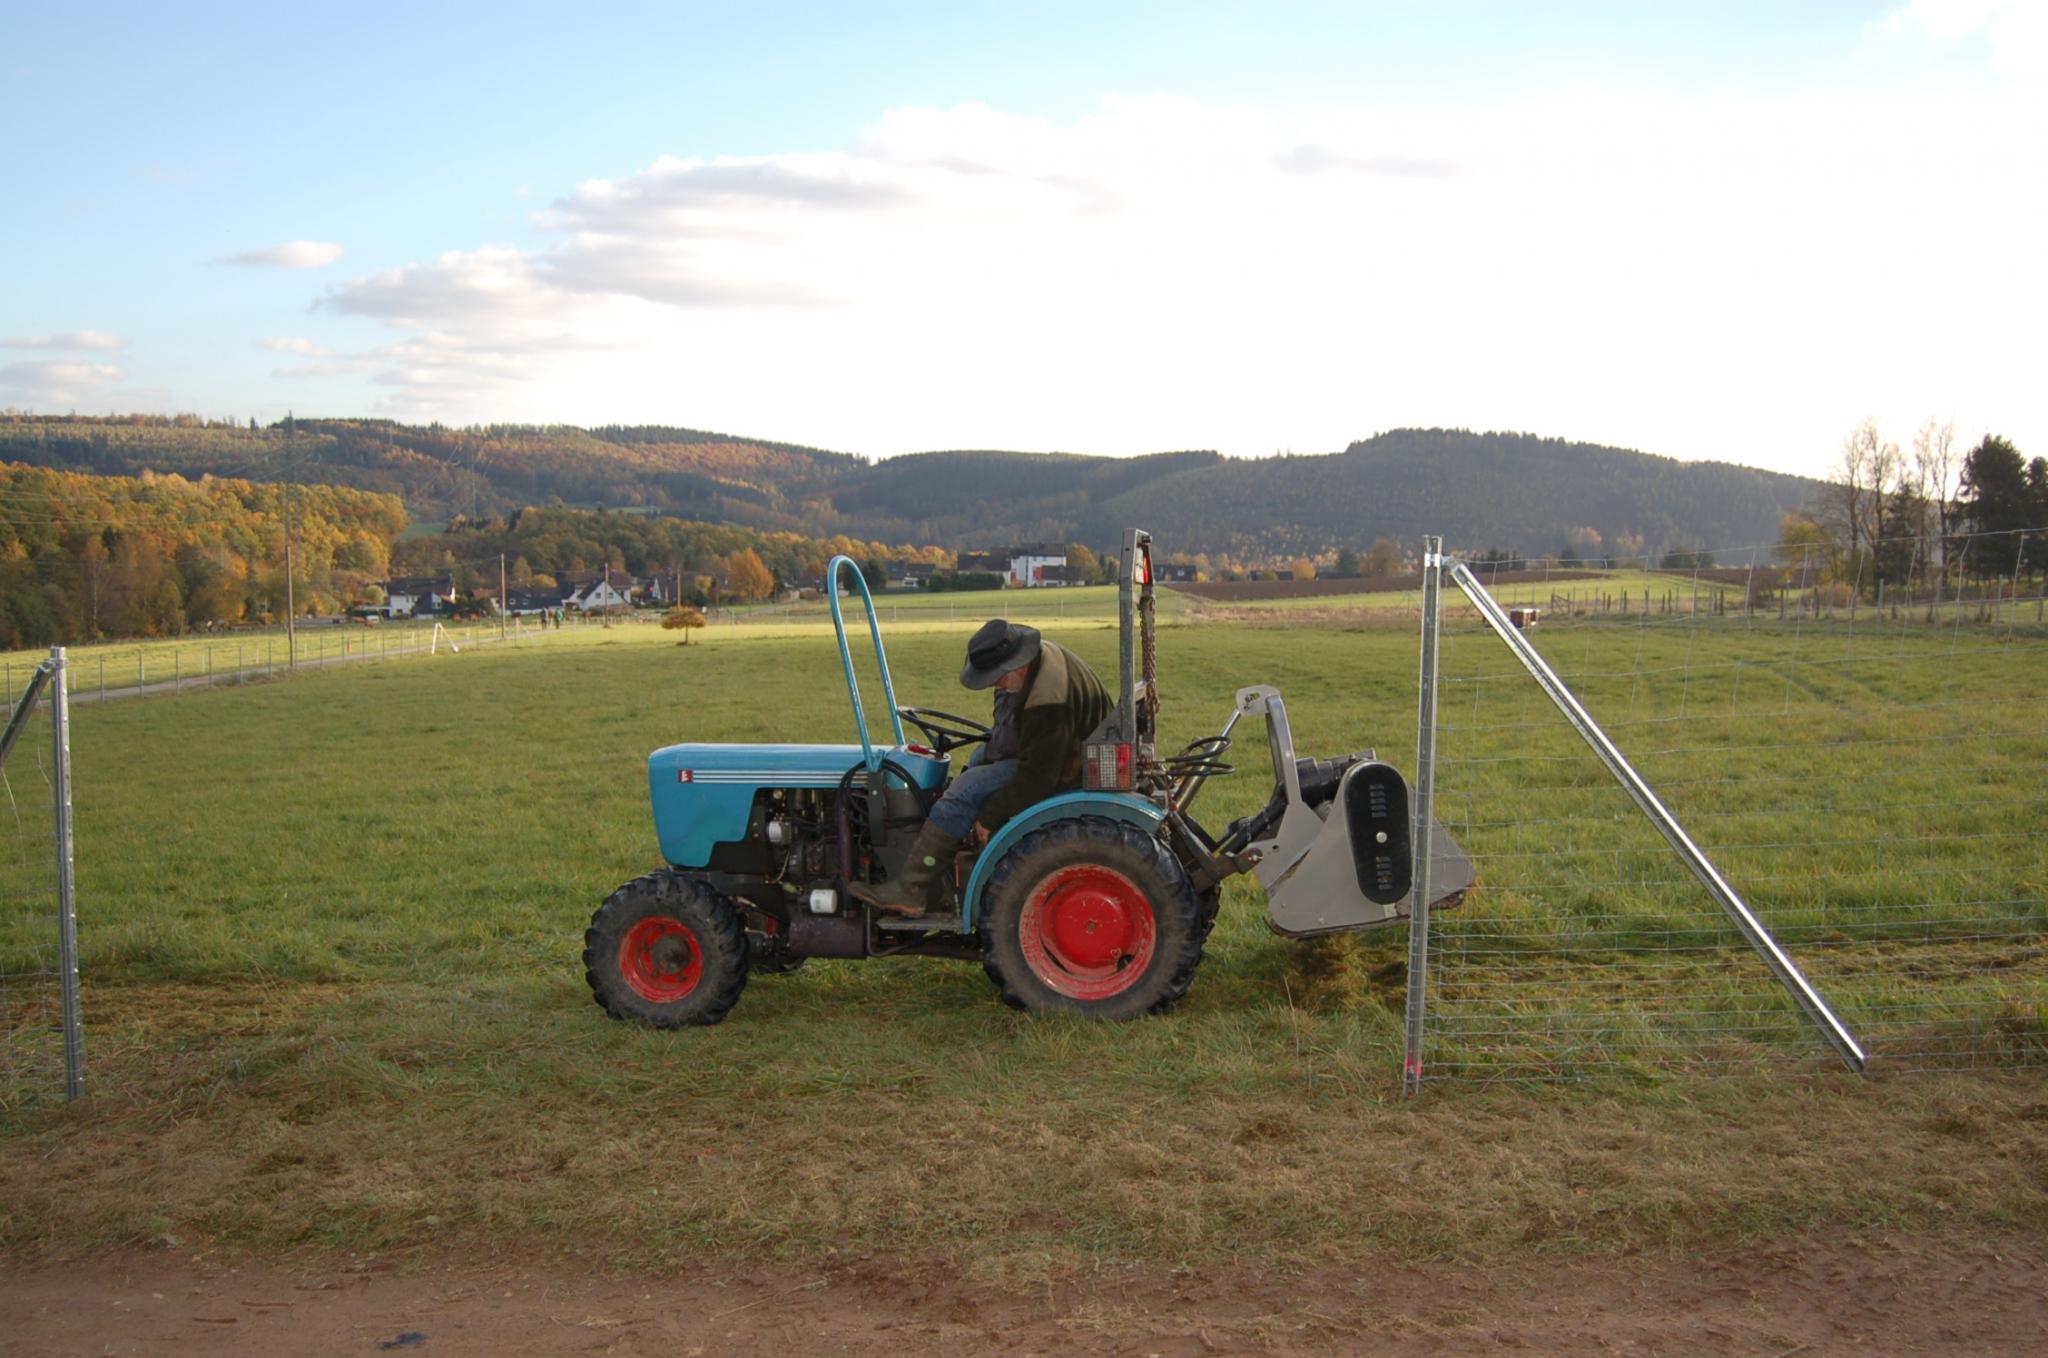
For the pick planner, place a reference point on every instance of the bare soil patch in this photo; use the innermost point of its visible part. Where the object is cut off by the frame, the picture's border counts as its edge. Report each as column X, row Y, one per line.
column 1812, row 1296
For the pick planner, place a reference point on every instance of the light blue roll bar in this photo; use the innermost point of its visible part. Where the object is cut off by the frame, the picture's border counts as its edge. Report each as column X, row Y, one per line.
column 860, row 716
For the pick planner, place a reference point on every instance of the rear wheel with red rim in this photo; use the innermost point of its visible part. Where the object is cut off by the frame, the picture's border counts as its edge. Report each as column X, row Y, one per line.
column 1090, row 916
column 666, row 950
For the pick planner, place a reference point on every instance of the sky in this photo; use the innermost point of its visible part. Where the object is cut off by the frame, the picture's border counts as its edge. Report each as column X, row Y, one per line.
column 1708, row 230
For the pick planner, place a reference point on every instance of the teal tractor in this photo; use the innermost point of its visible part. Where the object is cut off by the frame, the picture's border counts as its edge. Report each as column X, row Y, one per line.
column 1094, row 902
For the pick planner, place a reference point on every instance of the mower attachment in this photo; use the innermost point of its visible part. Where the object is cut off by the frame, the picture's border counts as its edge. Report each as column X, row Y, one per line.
column 1339, row 858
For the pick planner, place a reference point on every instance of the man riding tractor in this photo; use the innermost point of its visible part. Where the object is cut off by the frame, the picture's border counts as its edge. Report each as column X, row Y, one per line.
column 1047, row 701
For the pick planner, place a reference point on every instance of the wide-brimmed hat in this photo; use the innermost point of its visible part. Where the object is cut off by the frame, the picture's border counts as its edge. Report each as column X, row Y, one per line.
column 995, row 650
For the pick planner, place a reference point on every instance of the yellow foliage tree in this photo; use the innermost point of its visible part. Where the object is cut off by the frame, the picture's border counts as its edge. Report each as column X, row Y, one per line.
column 1384, row 559
column 747, row 577
column 683, row 618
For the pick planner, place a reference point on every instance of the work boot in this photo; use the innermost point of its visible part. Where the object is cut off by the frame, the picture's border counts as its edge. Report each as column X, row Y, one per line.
column 906, row 893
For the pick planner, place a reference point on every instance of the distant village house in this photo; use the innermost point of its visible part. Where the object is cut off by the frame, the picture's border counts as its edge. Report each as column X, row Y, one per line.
column 408, row 596
column 1031, row 567
column 602, row 590
column 910, row 574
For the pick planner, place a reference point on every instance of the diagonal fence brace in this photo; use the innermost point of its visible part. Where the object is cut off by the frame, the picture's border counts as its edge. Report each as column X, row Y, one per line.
column 19, row 717
column 1667, row 825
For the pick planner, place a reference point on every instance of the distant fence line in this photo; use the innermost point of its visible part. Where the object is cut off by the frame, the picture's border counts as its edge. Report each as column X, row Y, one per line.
column 171, row 664
column 1989, row 601
column 127, row 668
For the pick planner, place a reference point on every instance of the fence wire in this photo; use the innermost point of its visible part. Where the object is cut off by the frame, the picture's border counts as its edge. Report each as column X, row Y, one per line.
column 1869, row 778
column 33, row 1067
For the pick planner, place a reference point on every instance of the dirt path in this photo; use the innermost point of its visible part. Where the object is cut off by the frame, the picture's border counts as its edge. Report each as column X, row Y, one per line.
column 1883, row 1296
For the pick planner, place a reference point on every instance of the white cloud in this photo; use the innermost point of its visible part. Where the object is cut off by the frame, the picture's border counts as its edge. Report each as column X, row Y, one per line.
column 98, row 341
column 461, row 287
column 1702, row 275
column 54, row 383
column 293, row 254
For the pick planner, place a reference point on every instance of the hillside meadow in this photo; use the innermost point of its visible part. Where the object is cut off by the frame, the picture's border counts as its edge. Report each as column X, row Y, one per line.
column 330, row 934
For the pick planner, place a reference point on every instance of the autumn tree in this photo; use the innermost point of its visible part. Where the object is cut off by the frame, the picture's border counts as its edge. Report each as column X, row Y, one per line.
column 1303, row 569
column 1935, row 469
column 1384, row 559
column 684, row 618
column 747, row 578
column 1847, row 500
column 1805, row 546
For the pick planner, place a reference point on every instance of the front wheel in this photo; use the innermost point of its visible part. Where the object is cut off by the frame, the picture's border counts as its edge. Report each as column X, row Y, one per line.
column 1092, row 917
column 667, row 951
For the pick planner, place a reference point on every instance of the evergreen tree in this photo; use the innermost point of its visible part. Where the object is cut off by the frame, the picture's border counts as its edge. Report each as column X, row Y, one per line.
column 1997, row 506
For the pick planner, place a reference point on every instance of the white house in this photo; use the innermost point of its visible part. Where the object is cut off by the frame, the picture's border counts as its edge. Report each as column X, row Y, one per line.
column 597, row 591
column 1025, row 567
column 1026, row 563
column 404, row 594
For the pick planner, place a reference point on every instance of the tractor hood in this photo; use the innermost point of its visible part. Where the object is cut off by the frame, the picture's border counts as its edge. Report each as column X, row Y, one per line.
column 703, row 794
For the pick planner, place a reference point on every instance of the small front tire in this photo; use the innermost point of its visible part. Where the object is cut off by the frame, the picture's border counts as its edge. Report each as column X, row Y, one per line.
column 667, row 951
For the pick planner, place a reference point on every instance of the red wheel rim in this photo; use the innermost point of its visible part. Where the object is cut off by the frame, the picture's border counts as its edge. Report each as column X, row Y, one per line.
column 1087, row 932
column 661, row 960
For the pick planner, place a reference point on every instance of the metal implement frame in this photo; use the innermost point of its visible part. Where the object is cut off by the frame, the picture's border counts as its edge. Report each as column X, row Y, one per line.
column 1701, row 867
column 54, row 674
column 872, row 758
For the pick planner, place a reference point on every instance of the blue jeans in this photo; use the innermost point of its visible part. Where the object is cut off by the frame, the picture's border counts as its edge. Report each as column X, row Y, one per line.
column 954, row 812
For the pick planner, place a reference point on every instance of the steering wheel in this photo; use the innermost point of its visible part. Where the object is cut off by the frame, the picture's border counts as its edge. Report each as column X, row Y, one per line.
column 945, row 731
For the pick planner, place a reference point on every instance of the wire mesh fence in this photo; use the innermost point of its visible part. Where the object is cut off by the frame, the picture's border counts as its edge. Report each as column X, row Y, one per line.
column 1867, row 775
column 41, row 1043
column 123, row 669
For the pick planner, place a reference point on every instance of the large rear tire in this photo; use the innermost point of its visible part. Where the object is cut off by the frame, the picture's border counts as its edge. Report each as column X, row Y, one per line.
column 1093, row 917
column 667, row 951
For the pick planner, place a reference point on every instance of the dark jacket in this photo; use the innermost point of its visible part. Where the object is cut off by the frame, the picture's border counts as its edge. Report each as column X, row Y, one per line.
column 1062, row 704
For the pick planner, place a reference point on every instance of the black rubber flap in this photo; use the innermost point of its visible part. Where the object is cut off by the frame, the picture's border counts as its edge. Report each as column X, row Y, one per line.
column 1376, row 812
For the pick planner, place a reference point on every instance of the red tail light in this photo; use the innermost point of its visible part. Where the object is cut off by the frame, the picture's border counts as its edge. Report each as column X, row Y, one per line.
column 1107, row 768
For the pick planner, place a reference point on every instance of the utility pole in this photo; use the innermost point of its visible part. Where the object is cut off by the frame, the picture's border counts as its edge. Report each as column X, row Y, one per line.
column 504, row 599
column 291, row 639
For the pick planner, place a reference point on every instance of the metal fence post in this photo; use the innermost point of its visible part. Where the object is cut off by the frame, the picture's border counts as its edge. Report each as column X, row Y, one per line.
column 1425, row 797
column 67, row 918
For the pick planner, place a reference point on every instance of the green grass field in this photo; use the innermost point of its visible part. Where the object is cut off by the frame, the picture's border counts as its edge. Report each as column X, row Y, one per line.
column 330, row 936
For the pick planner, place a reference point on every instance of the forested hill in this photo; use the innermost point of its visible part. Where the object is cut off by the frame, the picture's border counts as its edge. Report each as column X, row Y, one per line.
column 1514, row 491
column 442, row 472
